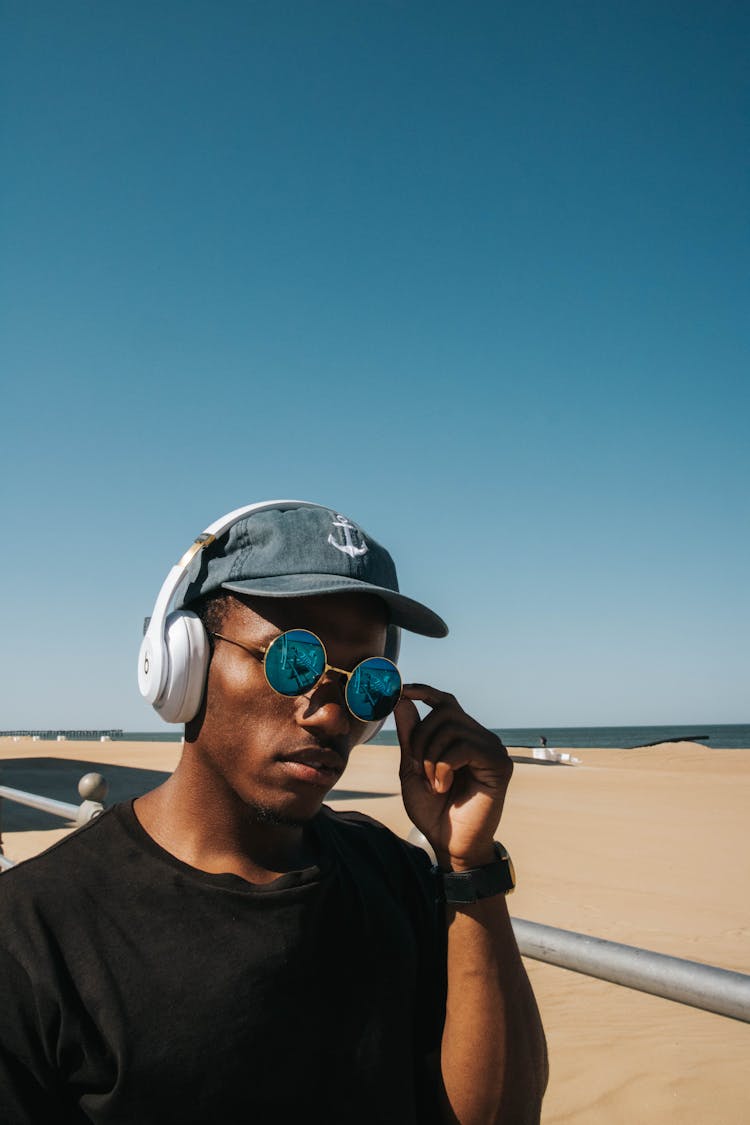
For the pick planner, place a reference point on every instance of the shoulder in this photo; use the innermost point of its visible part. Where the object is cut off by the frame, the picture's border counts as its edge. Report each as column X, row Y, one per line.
column 50, row 885
column 362, row 834
column 88, row 839
column 358, row 824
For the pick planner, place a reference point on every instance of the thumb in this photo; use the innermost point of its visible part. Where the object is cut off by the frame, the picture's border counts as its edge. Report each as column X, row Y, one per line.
column 407, row 719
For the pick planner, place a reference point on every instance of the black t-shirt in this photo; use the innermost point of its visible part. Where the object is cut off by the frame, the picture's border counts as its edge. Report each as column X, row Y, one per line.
column 136, row 989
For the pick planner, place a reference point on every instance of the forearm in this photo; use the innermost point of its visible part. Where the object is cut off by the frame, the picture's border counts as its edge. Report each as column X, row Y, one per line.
column 493, row 1052
column 454, row 777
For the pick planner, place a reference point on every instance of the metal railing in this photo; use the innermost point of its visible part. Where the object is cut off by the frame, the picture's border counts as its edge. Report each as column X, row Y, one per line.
column 92, row 788
column 687, row 982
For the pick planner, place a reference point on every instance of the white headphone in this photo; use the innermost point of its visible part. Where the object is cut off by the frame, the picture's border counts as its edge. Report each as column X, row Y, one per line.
column 174, row 654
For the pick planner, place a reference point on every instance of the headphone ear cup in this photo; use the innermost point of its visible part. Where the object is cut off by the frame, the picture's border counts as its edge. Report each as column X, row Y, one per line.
column 188, row 653
column 392, row 650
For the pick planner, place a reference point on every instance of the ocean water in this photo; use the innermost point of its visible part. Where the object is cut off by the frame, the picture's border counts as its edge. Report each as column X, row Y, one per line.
column 720, row 737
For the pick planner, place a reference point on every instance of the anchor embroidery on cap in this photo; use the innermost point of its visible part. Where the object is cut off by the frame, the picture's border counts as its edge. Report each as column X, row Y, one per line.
column 354, row 544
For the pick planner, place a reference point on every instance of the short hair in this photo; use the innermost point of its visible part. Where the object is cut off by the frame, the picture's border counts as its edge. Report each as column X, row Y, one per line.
column 212, row 609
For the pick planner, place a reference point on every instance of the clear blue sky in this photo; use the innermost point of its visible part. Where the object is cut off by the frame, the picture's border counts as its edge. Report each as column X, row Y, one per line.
column 475, row 275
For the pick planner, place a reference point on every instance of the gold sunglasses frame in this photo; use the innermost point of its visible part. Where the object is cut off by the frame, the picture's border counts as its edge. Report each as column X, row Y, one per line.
column 261, row 653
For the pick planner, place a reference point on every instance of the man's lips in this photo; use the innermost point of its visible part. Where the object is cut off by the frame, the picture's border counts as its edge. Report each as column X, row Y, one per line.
column 314, row 764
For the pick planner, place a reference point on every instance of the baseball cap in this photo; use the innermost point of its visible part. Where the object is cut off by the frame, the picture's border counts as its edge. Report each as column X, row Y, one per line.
column 301, row 552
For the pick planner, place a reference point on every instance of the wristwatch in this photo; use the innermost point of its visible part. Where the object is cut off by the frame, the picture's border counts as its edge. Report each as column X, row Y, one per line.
column 498, row 878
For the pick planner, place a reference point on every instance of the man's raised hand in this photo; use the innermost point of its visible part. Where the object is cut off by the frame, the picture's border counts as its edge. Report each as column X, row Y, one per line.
column 454, row 776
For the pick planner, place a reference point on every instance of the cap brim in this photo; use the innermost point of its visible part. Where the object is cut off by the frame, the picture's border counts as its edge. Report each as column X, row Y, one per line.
column 404, row 612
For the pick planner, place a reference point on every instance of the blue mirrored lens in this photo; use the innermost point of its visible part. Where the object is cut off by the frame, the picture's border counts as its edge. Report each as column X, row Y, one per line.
column 294, row 662
column 373, row 689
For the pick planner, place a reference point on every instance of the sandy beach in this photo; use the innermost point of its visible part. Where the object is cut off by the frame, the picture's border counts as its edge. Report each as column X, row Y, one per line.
column 648, row 847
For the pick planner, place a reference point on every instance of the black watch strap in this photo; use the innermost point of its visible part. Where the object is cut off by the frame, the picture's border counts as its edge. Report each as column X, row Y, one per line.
column 496, row 878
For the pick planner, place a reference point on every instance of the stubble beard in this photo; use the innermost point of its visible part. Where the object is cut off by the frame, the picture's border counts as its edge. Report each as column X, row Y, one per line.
column 264, row 814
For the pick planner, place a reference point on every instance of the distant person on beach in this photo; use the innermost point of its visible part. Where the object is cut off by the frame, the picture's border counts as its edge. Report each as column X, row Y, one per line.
column 227, row 948
column 543, row 740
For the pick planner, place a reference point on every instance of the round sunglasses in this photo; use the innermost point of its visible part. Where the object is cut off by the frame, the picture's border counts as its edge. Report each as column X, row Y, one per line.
column 296, row 660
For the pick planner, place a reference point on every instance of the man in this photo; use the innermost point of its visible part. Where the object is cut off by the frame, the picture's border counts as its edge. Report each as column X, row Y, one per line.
column 226, row 948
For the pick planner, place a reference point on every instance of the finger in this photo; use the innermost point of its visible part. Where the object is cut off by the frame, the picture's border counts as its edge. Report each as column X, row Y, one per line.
column 432, row 696
column 455, row 756
column 443, row 776
column 434, row 731
column 429, row 737
column 407, row 721
column 451, row 749
column 439, row 732
column 445, row 707
column 491, row 772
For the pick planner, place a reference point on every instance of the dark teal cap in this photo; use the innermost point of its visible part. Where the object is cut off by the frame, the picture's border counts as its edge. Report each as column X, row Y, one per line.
column 298, row 553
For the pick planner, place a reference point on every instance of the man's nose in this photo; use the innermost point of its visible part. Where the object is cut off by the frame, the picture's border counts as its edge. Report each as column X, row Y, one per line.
column 324, row 708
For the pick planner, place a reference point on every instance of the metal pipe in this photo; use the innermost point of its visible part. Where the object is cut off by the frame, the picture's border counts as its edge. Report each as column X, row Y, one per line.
column 44, row 804
column 79, row 813
column 687, row 982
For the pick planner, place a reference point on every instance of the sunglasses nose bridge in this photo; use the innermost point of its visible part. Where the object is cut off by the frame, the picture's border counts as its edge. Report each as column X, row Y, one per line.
column 332, row 675
column 326, row 700
column 341, row 672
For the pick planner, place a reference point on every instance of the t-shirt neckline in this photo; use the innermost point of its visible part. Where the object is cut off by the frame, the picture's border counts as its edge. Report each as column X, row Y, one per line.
column 227, row 880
